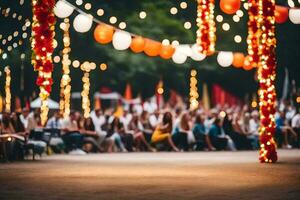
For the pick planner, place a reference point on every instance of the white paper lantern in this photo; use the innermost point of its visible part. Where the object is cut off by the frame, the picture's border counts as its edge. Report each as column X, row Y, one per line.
column 185, row 49
column 121, row 40
column 294, row 15
column 82, row 23
column 196, row 55
column 225, row 58
column 179, row 57
column 62, row 9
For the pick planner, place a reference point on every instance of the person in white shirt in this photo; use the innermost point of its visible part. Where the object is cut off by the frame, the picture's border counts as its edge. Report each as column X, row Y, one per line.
column 54, row 124
column 24, row 117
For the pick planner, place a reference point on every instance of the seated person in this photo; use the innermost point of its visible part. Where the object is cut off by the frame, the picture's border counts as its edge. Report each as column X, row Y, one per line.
column 71, row 135
column 163, row 131
column 54, row 126
column 201, row 135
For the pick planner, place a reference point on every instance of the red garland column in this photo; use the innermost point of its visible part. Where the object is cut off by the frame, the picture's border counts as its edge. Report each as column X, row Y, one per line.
column 206, row 36
column 266, row 76
column 253, row 33
column 42, row 49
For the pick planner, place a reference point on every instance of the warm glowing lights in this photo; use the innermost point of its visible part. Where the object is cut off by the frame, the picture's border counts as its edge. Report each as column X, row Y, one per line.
column 100, row 12
column 206, row 37
column 65, row 83
column 85, row 95
column 226, row 27
column 187, row 25
column 298, row 99
column 193, row 91
column 122, row 25
column 75, row 63
column 103, row 66
column 238, row 39
column 253, row 104
column 219, row 18
column 7, row 89
column 173, row 10
column 183, row 5
column 88, row 6
column 143, row 15
column 113, row 20
column 266, row 76
column 43, row 22
column 236, row 18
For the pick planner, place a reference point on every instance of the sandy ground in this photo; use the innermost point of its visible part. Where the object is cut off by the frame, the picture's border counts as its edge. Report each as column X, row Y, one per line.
column 151, row 176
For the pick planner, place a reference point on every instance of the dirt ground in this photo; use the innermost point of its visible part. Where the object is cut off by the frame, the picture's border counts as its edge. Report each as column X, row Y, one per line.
column 151, row 176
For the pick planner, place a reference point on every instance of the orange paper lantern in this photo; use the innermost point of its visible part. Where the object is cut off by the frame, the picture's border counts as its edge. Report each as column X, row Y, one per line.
column 281, row 14
column 238, row 60
column 248, row 65
column 152, row 48
column 230, row 6
column 103, row 33
column 167, row 51
column 137, row 44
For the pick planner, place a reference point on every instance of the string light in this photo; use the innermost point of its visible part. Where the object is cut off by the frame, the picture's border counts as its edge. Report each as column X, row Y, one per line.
column 65, row 86
column 143, row 15
column 7, row 89
column 193, row 91
column 266, row 77
column 206, row 37
column 86, row 105
column 42, row 47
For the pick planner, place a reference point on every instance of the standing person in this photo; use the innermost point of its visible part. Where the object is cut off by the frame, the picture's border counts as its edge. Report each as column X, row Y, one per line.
column 163, row 131
column 71, row 135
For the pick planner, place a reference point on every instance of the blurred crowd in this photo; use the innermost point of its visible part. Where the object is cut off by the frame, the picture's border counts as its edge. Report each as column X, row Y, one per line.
column 137, row 129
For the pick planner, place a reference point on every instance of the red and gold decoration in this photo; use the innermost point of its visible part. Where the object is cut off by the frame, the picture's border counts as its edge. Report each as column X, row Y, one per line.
column 194, row 95
column 206, row 36
column 65, row 82
column 253, row 34
column 42, row 47
column 7, row 90
column 230, row 6
column 266, row 77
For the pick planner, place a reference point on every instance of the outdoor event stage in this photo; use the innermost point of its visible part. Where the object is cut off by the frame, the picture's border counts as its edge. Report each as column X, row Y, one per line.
column 203, row 175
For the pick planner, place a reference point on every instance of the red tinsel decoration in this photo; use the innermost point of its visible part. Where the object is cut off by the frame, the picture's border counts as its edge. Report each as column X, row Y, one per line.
column 253, row 33
column 42, row 47
column 206, row 36
column 266, row 76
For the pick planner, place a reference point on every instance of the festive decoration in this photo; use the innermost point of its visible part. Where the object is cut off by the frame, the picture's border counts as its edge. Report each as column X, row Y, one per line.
column 83, row 23
column 266, row 77
column 152, row 48
column 42, row 47
column 63, row 9
column 137, row 44
column 85, row 95
column 196, row 55
column 121, row 40
column 206, row 37
column 238, row 60
column 294, row 15
column 225, row 58
column 281, row 14
column 167, row 51
column 103, row 33
column 65, row 86
column 7, row 90
column 179, row 57
column 230, row 6
column 248, row 65
column 128, row 92
column 253, row 33
column 193, row 91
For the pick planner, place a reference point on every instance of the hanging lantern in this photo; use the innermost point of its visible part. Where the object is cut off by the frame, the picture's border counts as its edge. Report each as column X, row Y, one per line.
column 137, row 44
column 238, row 60
column 225, row 58
column 230, row 6
column 179, row 57
column 294, row 15
column 196, row 55
column 121, row 40
column 281, row 14
column 167, row 51
column 152, row 48
column 83, row 23
column 103, row 33
column 63, row 9
column 206, row 36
